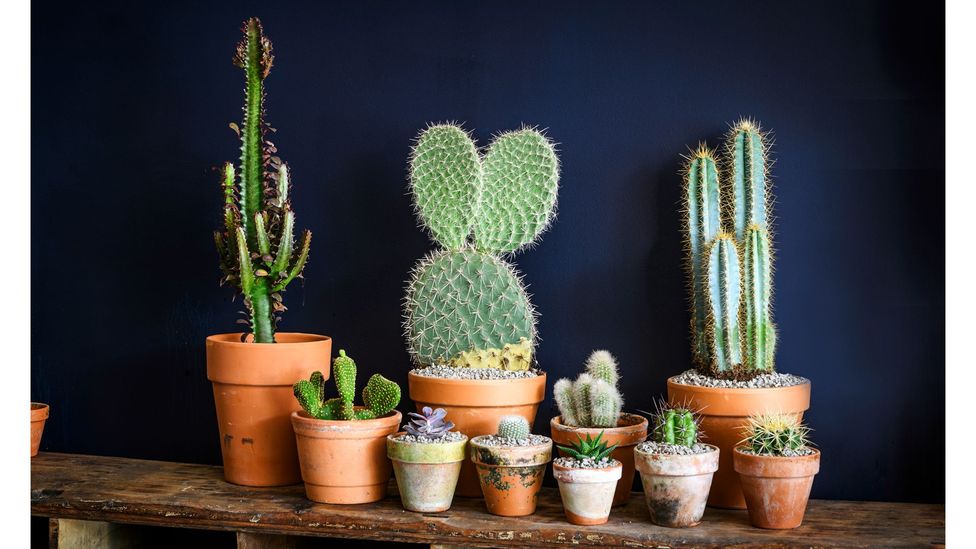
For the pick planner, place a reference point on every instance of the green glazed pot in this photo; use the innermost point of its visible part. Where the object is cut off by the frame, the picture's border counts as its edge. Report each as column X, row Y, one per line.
column 426, row 473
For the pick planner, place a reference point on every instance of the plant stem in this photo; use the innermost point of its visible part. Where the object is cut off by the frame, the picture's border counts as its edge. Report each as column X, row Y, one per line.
column 261, row 322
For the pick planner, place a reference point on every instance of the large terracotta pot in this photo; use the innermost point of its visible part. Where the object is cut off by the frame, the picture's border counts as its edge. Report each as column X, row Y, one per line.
column 426, row 473
column 724, row 414
column 344, row 461
column 510, row 476
column 776, row 488
column 475, row 406
column 252, row 386
column 587, row 494
column 39, row 415
column 631, row 430
column 676, row 486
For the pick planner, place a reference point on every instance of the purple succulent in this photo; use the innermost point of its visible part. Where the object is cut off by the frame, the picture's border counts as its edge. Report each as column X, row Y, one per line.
column 430, row 424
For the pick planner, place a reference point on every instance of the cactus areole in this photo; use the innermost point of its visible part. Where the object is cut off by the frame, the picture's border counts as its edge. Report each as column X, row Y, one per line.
column 258, row 252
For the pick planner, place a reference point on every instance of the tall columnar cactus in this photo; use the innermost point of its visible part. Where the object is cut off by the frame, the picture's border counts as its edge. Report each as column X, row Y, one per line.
column 593, row 400
column 513, row 427
column 723, row 292
column 746, row 151
column 257, row 249
column 380, row 394
column 465, row 305
column 759, row 333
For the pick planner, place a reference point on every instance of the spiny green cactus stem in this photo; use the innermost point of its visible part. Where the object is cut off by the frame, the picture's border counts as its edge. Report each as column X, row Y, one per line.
column 513, row 427
column 563, row 393
column 605, row 404
column 702, row 225
column 581, row 399
column 515, row 357
column 310, row 394
column 344, row 370
column 676, row 426
column 593, row 400
column 603, row 365
column 759, row 331
column 380, row 395
column 724, row 293
column 256, row 244
column 776, row 434
column 746, row 149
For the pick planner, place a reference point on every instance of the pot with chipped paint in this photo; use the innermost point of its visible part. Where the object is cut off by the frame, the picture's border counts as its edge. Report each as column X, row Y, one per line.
column 676, row 486
column 510, row 476
column 426, row 472
column 776, row 488
column 587, row 493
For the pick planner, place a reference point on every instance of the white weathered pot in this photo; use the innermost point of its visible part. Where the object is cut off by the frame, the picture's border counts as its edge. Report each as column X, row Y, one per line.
column 676, row 486
column 587, row 494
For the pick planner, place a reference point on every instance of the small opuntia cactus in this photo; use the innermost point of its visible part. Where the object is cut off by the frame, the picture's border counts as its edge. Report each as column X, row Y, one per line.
column 344, row 370
column 380, row 395
column 513, row 427
column 593, row 400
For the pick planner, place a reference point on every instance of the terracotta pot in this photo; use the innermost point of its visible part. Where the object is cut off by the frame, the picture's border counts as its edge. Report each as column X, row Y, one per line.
column 475, row 406
column 676, row 486
column 776, row 488
column 344, row 461
column 253, row 396
column 631, row 429
column 426, row 474
column 510, row 476
column 39, row 415
column 587, row 494
column 724, row 414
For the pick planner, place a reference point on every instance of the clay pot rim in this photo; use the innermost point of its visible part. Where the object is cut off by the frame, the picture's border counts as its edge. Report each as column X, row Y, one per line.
column 775, row 467
column 541, row 445
column 39, row 411
column 634, row 431
column 739, row 390
column 234, row 339
column 489, row 382
column 340, row 425
column 393, row 439
column 619, row 465
column 807, row 457
column 443, row 451
column 714, row 450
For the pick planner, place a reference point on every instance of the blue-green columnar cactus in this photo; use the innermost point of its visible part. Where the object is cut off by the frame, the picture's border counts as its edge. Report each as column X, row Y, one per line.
column 257, row 249
column 380, row 395
column 724, row 292
column 465, row 305
column 759, row 334
column 748, row 183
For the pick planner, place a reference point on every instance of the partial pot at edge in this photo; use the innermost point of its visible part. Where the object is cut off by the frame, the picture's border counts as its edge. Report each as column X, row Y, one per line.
column 426, row 473
column 39, row 415
column 587, row 494
column 676, row 486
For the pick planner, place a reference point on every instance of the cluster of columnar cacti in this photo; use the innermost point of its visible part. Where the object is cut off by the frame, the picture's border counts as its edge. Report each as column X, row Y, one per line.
column 730, row 273
column 513, row 428
column 593, row 400
column 776, row 434
column 675, row 425
column 258, row 252
column 465, row 305
column 380, row 395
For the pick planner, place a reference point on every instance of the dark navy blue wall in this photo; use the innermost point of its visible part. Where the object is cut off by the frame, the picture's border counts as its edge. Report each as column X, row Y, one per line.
column 130, row 110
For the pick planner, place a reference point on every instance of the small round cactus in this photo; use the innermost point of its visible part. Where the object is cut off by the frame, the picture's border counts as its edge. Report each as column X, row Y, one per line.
column 513, row 427
column 776, row 434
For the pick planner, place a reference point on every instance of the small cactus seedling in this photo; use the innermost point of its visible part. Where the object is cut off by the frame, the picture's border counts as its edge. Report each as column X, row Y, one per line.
column 430, row 424
column 465, row 305
column 513, row 428
column 591, row 448
column 674, row 424
column 380, row 394
column 258, row 252
column 593, row 400
column 776, row 434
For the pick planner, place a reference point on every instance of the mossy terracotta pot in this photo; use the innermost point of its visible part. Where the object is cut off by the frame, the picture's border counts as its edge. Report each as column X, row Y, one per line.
column 776, row 488
column 510, row 476
column 724, row 414
column 252, row 386
column 676, row 486
column 344, row 461
column 426, row 473
column 631, row 430
column 39, row 415
column 475, row 406
column 587, row 494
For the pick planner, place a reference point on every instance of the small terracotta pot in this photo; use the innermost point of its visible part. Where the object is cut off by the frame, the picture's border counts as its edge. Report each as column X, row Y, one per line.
column 587, row 494
column 475, row 406
column 676, row 486
column 426, row 474
column 631, row 429
column 39, row 415
column 776, row 488
column 724, row 413
column 252, row 386
column 344, row 461
column 510, row 476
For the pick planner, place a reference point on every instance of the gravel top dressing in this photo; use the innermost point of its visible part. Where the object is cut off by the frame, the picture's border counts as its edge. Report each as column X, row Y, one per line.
column 651, row 447
column 495, row 440
column 452, row 436
column 449, row 372
column 805, row 451
column 573, row 463
column 763, row 381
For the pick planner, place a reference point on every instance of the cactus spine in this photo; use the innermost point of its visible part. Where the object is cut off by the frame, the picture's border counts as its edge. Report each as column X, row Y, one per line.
column 513, row 428
column 380, row 395
column 256, row 245
column 593, row 400
column 465, row 305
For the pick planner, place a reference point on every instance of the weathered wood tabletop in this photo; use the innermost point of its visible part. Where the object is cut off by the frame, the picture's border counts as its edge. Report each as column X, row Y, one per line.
column 132, row 491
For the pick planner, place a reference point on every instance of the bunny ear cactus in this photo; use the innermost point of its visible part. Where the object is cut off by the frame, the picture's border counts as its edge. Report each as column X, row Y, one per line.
column 465, row 305
column 256, row 245
column 593, row 400
column 380, row 395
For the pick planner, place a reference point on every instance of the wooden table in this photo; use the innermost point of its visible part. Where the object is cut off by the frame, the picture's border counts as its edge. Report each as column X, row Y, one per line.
column 75, row 489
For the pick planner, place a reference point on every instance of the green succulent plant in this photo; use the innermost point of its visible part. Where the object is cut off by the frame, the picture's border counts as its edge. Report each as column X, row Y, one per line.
column 513, row 427
column 776, row 434
column 589, row 448
column 673, row 424
column 256, row 245
column 593, row 399
column 380, row 395
column 466, row 305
